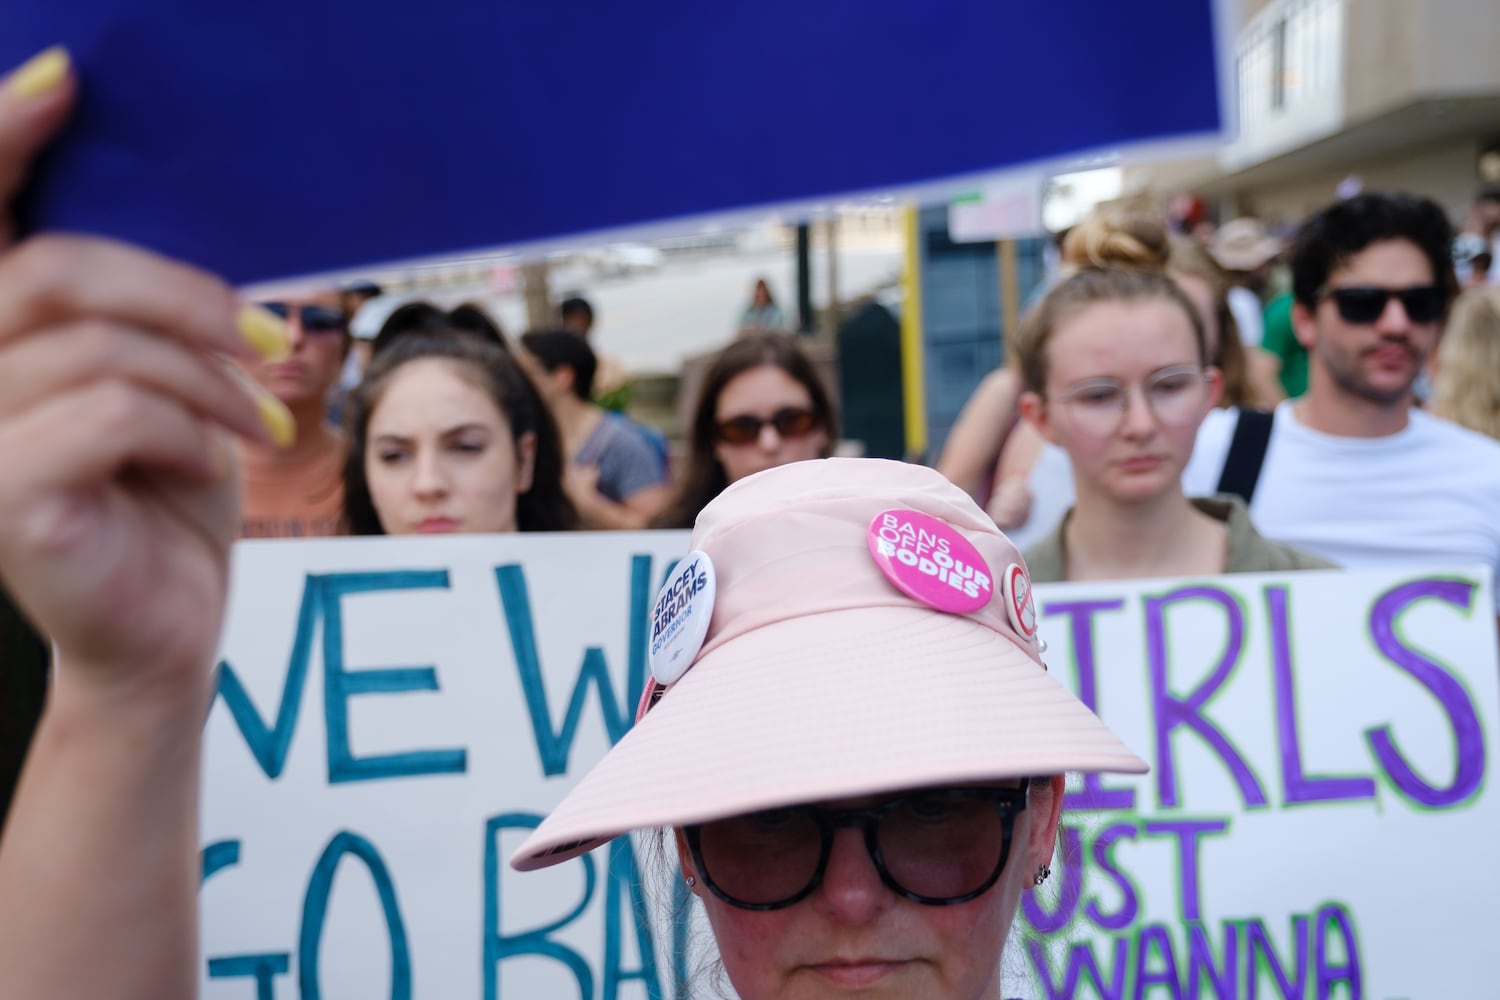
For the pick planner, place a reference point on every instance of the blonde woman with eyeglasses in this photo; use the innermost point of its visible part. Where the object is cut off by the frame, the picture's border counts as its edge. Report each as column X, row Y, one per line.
column 1117, row 374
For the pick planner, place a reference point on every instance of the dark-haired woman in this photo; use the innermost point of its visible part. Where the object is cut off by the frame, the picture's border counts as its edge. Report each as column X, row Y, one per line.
column 762, row 405
column 446, row 435
column 420, row 316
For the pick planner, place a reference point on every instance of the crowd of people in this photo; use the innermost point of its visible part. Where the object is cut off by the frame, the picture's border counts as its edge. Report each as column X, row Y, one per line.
column 1380, row 451
column 1138, row 431
column 452, row 424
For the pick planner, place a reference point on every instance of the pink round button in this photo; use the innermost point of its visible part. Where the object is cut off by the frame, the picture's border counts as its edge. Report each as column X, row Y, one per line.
column 930, row 561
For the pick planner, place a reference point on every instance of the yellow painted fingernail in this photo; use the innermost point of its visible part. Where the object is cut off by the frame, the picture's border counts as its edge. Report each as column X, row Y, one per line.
column 277, row 419
column 40, row 74
column 265, row 332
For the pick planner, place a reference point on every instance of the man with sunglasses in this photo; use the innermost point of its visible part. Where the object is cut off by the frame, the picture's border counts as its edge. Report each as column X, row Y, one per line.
column 1354, row 471
column 298, row 492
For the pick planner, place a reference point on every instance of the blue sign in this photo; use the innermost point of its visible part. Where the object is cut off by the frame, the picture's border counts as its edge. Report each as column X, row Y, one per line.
column 294, row 136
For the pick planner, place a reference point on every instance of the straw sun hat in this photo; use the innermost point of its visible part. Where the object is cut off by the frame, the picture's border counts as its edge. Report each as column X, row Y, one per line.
column 842, row 627
column 1243, row 245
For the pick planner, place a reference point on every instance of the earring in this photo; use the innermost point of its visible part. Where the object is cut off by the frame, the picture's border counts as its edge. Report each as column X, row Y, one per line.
column 691, row 881
column 1041, row 874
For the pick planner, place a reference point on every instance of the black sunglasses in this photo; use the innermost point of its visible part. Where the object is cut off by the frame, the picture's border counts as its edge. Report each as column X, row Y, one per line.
column 939, row 847
column 789, row 421
column 1364, row 305
column 314, row 318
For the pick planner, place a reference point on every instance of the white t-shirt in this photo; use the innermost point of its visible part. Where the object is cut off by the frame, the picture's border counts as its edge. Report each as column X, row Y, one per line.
column 1248, row 314
column 1428, row 495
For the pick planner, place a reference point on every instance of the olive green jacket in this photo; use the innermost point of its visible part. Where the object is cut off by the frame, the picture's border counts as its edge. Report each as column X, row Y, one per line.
column 1249, row 550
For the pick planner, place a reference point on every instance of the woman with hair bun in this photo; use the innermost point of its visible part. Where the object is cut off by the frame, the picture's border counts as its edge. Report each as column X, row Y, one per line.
column 1117, row 370
column 999, row 458
column 1032, row 481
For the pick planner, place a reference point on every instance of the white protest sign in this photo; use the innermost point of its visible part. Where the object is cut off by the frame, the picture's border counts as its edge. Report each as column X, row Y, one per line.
column 1007, row 209
column 395, row 714
column 1316, row 823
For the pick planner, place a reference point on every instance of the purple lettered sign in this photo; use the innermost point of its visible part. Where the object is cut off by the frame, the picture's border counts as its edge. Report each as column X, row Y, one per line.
column 1307, row 733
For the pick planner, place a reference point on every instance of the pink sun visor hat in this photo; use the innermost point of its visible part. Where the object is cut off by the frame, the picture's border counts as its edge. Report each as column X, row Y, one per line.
column 841, row 627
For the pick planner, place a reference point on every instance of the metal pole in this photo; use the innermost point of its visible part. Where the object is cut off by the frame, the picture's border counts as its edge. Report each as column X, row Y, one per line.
column 831, row 236
column 913, row 347
column 539, row 310
column 1010, row 297
column 806, row 321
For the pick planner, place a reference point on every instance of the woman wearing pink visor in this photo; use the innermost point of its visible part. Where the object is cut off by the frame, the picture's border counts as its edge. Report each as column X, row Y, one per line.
column 851, row 735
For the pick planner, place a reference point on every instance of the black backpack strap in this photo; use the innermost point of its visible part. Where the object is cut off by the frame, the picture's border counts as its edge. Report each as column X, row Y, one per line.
column 1247, row 452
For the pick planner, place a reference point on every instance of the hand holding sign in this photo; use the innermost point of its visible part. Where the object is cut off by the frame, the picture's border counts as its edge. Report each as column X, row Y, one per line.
column 117, row 506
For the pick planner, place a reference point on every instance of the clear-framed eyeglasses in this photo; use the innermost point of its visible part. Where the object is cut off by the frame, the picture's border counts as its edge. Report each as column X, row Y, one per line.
column 1174, row 395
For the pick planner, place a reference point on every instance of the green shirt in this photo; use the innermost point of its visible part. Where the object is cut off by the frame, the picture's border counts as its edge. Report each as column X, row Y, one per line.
column 1281, row 340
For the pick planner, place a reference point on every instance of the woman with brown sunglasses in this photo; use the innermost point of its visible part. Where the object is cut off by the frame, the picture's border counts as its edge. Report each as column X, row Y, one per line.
column 762, row 405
